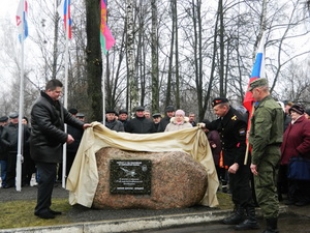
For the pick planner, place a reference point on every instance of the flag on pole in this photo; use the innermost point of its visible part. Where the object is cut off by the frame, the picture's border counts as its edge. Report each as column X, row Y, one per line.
column 65, row 14
column 21, row 19
column 257, row 72
column 106, row 38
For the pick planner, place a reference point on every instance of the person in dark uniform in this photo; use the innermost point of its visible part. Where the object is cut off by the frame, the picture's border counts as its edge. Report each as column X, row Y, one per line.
column 72, row 148
column 140, row 124
column 232, row 127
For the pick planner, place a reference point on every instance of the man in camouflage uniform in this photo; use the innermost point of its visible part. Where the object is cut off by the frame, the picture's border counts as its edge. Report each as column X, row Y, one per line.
column 232, row 127
column 265, row 138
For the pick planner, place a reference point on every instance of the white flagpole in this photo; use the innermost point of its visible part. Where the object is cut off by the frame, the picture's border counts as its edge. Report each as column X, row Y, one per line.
column 64, row 161
column 20, row 113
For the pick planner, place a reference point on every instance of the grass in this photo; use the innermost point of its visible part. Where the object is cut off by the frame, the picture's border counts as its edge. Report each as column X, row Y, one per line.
column 19, row 214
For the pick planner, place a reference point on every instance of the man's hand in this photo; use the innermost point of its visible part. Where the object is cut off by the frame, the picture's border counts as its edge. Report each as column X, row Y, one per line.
column 233, row 168
column 253, row 168
column 201, row 125
column 70, row 139
column 85, row 126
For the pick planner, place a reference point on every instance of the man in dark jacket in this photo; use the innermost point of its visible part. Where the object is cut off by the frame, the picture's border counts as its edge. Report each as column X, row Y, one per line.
column 232, row 127
column 3, row 152
column 9, row 138
column 169, row 111
column 47, row 137
column 140, row 124
column 112, row 123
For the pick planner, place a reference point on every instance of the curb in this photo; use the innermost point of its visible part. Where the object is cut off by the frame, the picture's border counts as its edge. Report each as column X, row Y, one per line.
column 134, row 224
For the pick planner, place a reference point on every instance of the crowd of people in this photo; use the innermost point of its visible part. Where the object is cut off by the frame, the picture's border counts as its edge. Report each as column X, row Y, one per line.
column 277, row 133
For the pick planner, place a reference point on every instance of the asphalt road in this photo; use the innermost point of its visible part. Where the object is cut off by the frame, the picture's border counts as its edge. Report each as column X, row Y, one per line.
column 288, row 223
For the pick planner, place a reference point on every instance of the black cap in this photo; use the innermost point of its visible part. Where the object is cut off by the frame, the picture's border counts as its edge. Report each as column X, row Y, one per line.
column 307, row 111
column 156, row 115
column 139, row 108
column 13, row 115
column 169, row 109
column 4, row 119
column 123, row 111
column 110, row 111
column 73, row 111
column 219, row 100
column 80, row 115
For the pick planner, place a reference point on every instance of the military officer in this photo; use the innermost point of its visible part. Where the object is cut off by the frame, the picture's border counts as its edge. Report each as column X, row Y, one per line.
column 232, row 127
column 265, row 138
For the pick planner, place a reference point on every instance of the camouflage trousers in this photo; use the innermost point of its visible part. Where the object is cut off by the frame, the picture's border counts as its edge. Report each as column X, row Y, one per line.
column 266, row 183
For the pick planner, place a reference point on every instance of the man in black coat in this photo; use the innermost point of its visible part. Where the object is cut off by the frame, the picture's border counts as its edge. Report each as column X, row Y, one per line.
column 9, row 138
column 232, row 127
column 3, row 152
column 169, row 111
column 47, row 138
column 140, row 124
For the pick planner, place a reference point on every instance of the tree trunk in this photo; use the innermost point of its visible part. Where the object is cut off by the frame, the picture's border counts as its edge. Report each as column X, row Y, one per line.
column 170, row 71
column 155, row 78
column 177, row 76
column 133, row 93
column 221, row 68
column 94, row 61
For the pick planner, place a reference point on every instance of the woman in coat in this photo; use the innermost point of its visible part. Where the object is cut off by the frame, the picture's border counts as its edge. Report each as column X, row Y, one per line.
column 178, row 122
column 296, row 143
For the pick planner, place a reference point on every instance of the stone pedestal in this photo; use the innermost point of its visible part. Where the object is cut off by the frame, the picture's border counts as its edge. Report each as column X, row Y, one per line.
column 176, row 180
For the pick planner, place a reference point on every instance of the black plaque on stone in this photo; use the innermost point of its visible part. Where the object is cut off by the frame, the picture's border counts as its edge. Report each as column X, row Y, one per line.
column 130, row 176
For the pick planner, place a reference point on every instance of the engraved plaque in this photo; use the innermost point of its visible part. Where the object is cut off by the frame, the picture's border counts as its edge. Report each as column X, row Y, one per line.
column 130, row 176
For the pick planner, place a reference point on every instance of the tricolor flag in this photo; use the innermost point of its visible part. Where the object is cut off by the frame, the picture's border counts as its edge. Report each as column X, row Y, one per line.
column 106, row 38
column 257, row 72
column 65, row 14
column 21, row 19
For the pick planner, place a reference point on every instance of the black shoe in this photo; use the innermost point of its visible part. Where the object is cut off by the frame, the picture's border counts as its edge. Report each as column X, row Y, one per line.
column 233, row 220
column 301, row 203
column 54, row 212
column 247, row 225
column 45, row 215
column 8, row 186
column 289, row 202
column 271, row 231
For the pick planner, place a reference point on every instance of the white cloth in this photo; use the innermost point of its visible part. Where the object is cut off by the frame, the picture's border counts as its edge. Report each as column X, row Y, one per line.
column 83, row 177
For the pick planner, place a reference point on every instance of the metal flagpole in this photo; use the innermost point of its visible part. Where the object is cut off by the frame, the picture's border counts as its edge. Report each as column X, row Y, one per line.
column 64, row 161
column 20, row 113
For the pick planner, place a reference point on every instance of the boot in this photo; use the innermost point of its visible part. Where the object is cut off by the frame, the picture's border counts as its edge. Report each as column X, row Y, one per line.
column 250, row 223
column 272, row 225
column 236, row 218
